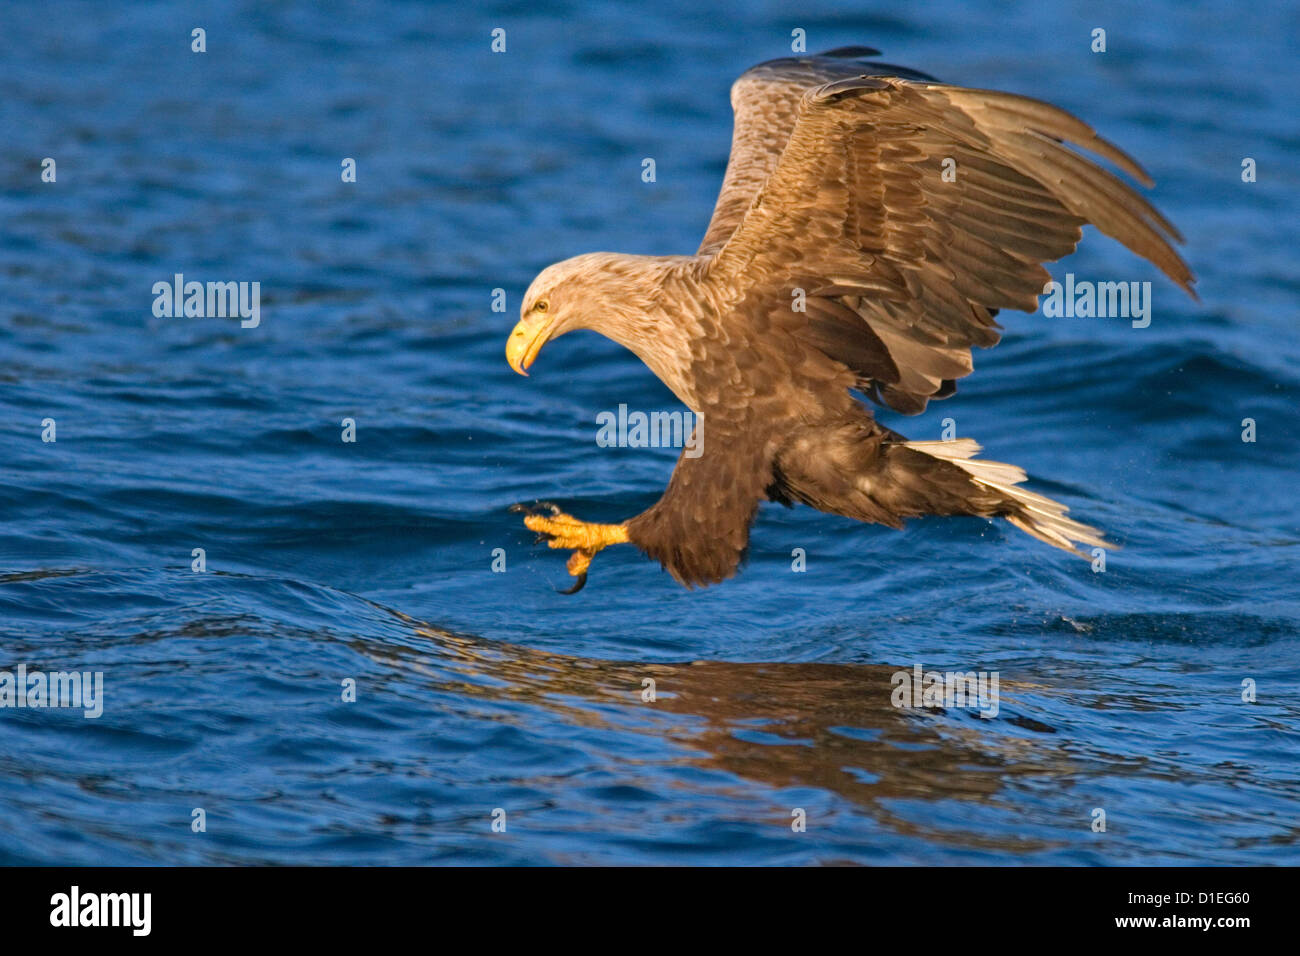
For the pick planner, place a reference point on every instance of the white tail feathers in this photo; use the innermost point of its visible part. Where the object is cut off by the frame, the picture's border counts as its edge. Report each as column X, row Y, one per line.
column 1041, row 517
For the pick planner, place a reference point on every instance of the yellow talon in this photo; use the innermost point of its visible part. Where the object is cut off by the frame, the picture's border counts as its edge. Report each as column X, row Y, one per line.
column 566, row 531
column 583, row 538
column 579, row 562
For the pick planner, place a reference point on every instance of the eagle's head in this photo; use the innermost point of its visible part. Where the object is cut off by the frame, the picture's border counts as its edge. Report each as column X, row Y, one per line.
column 597, row 291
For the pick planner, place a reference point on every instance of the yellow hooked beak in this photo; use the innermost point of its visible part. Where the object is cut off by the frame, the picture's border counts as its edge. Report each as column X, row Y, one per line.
column 526, row 341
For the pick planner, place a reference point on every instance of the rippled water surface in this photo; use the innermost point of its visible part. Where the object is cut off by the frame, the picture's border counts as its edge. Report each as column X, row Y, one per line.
column 371, row 561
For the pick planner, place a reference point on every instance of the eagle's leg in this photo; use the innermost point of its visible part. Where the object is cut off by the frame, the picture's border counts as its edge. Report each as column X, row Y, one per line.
column 583, row 538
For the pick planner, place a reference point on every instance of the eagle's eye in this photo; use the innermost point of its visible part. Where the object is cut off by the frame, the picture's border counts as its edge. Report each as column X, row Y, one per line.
column 541, row 305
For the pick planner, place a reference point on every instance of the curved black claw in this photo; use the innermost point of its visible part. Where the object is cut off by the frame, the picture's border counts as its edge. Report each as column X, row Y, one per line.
column 577, row 585
column 521, row 508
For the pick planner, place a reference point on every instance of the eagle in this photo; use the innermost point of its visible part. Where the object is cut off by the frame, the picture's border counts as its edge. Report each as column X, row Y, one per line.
column 872, row 223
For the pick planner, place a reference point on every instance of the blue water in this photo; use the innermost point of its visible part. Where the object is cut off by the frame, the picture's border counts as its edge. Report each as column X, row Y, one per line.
column 372, row 561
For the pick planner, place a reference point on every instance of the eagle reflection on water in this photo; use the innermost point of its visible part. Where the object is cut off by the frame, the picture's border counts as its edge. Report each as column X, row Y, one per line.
column 782, row 725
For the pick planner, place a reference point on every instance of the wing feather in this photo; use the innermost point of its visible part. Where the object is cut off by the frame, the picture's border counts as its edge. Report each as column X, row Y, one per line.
column 765, row 100
column 855, row 203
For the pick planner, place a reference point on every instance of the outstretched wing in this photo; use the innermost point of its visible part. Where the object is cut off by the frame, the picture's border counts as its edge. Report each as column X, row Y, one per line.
column 857, row 211
column 765, row 101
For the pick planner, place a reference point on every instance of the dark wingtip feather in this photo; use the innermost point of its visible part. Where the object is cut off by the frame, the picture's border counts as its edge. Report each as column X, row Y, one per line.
column 851, row 52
